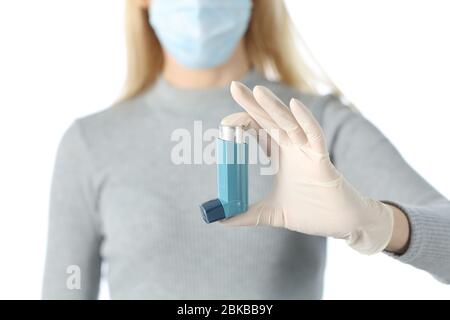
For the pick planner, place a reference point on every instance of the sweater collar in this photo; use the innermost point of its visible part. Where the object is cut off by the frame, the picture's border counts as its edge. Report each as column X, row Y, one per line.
column 165, row 92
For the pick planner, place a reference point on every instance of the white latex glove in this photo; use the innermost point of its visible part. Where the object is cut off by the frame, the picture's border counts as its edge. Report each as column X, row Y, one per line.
column 309, row 194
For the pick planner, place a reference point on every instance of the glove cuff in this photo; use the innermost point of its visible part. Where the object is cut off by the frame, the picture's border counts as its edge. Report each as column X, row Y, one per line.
column 375, row 236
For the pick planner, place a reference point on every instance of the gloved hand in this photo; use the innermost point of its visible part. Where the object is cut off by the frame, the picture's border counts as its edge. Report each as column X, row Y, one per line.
column 309, row 194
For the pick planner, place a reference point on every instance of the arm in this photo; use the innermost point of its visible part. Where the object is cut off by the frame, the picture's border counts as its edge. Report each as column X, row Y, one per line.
column 401, row 233
column 370, row 162
column 342, row 181
column 73, row 233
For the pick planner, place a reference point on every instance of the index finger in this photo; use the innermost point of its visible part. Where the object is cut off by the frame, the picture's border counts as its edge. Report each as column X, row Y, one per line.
column 244, row 97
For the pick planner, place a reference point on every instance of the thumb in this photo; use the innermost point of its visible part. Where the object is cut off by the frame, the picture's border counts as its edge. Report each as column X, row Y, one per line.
column 259, row 214
column 250, row 126
column 240, row 119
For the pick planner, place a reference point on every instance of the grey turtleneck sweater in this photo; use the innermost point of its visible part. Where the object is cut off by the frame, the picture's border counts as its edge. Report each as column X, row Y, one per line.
column 118, row 199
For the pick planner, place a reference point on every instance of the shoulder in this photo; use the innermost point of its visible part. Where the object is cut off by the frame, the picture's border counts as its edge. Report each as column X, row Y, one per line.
column 119, row 116
column 113, row 121
column 103, row 130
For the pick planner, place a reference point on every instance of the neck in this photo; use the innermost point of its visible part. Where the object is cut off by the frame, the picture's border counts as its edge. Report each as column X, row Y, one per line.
column 185, row 78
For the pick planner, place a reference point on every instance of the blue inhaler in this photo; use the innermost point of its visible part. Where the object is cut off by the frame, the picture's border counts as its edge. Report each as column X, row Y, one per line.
column 232, row 176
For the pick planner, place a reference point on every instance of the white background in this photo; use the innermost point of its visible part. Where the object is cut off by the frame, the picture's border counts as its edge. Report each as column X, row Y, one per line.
column 60, row 60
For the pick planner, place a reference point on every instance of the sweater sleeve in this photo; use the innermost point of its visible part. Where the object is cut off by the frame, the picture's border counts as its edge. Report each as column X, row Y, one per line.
column 375, row 168
column 72, row 267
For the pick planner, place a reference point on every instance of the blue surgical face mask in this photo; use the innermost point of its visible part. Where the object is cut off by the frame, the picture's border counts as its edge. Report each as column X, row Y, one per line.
column 200, row 34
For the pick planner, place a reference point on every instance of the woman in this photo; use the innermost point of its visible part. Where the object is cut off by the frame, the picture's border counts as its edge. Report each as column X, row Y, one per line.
column 118, row 198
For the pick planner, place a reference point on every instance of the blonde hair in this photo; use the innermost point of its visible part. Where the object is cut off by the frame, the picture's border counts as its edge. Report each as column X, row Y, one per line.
column 273, row 48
